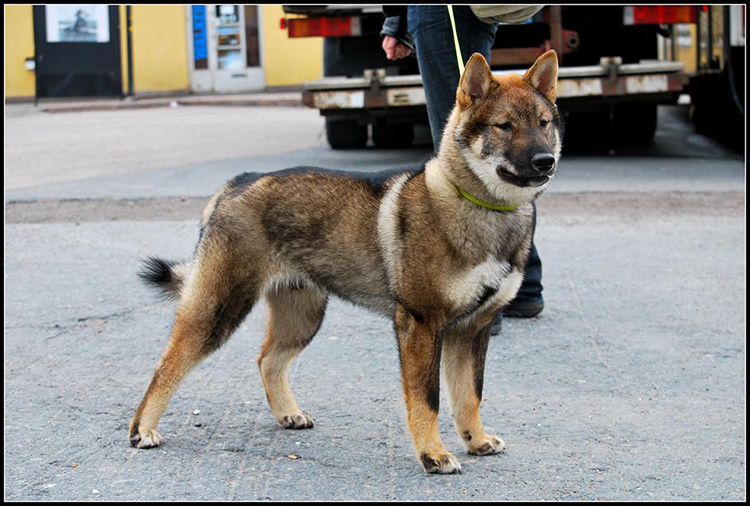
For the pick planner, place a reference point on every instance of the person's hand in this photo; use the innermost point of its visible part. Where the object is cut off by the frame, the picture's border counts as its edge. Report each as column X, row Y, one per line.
column 394, row 50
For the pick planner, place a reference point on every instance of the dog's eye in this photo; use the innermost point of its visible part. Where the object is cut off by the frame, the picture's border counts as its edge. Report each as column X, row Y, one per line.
column 505, row 126
column 543, row 123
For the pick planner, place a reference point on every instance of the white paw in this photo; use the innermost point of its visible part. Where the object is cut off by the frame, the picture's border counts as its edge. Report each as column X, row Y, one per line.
column 446, row 463
column 145, row 440
column 490, row 446
column 300, row 420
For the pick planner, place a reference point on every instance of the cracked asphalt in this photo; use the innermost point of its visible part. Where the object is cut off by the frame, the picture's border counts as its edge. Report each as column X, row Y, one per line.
column 631, row 385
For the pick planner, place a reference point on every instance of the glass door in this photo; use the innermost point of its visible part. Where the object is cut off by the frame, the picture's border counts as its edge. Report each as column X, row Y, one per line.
column 236, row 46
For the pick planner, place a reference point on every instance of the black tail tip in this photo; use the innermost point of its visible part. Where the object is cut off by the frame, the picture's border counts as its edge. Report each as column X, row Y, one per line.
column 156, row 271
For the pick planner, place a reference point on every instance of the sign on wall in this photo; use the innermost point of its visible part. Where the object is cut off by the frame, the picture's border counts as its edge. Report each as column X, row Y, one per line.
column 200, row 37
column 77, row 23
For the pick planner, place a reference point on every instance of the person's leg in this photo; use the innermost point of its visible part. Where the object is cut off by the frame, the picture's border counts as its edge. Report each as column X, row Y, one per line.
column 529, row 301
column 430, row 28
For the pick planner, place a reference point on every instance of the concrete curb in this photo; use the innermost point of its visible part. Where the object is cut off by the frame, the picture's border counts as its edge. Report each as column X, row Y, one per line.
column 101, row 107
column 280, row 102
column 284, row 100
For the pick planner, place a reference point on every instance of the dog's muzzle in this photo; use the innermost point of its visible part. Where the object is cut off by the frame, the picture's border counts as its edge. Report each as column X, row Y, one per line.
column 532, row 180
column 542, row 167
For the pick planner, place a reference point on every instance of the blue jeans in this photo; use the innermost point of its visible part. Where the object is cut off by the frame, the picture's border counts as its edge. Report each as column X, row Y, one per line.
column 430, row 29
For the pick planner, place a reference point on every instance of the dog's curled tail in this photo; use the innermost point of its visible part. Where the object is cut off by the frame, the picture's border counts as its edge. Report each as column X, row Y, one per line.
column 167, row 276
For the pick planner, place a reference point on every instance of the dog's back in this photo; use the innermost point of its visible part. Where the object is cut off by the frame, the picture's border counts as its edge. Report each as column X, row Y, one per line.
column 309, row 226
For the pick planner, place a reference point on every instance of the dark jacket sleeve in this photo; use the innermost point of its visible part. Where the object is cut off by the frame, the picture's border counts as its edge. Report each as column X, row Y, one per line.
column 395, row 26
column 394, row 10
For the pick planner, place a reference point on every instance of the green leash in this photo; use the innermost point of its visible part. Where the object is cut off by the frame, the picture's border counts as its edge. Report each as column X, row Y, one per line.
column 468, row 196
column 455, row 42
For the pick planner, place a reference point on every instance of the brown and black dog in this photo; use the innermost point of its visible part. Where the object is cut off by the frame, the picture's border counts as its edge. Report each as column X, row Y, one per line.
column 439, row 250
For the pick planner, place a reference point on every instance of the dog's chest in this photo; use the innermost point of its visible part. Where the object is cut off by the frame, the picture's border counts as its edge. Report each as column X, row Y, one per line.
column 491, row 282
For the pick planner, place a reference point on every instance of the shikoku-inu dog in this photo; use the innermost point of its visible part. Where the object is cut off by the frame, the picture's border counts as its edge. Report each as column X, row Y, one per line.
column 439, row 250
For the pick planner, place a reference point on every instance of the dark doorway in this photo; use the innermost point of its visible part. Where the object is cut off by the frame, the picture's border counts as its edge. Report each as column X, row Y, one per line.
column 77, row 51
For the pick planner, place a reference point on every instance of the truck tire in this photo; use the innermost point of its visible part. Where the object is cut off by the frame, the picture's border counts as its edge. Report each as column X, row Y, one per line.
column 346, row 134
column 398, row 135
column 635, row 122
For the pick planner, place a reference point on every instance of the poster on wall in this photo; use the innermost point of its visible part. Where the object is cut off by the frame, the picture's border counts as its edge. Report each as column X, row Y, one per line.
column 77, row 23
column 228, row 13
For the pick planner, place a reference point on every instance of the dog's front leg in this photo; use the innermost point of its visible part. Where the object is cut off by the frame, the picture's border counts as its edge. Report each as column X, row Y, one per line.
column 464, row 353
column 419, row 345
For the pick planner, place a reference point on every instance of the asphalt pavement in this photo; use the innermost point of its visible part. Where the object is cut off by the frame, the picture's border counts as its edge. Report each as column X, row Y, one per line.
column 631, row 385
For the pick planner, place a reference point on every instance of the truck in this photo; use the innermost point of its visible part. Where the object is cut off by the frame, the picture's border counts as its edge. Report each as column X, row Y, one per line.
column 616, row 67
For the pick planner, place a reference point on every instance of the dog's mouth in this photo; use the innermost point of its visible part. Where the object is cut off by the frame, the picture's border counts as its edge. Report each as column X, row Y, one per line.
column 517, row 180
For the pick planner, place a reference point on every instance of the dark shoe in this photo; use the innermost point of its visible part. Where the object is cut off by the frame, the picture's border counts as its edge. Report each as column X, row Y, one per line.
column 497, row 324
column 524, row 308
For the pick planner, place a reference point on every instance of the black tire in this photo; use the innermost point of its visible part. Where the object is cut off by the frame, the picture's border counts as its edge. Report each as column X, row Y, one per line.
column 346, row 134
column 635, row 122
column 398, row 135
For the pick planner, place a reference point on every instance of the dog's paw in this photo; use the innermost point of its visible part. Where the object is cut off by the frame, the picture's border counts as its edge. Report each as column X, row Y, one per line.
column 149, row 439
column 444, row 463
column 487, row 446
column 299, row 420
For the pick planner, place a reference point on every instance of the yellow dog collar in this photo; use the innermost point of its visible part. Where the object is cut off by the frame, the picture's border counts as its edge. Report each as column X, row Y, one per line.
column 482, row 203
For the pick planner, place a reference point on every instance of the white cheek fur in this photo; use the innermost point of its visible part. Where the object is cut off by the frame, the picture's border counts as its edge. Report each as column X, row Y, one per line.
column 486, row 170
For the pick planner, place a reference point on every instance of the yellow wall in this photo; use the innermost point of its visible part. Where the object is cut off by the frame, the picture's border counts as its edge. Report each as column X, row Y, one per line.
column 160, row 52
column 19, row 45
column 288, row 61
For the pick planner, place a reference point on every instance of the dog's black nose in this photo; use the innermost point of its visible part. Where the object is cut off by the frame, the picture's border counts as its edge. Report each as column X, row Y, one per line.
column 543, row 162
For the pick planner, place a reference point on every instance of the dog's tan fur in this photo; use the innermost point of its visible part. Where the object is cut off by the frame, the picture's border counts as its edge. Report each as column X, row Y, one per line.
column 409, row 247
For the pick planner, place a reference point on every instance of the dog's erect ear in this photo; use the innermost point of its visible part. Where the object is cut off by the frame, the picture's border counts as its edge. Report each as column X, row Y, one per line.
column 475, row 82
column 543, row 75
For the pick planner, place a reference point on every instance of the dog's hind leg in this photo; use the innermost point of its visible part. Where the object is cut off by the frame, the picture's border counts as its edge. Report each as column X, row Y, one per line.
column 463, row 359
column 215, row 302
column 295, row 314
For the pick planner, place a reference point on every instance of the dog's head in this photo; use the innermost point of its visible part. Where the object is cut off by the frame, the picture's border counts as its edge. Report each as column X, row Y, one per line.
column 508, row 128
